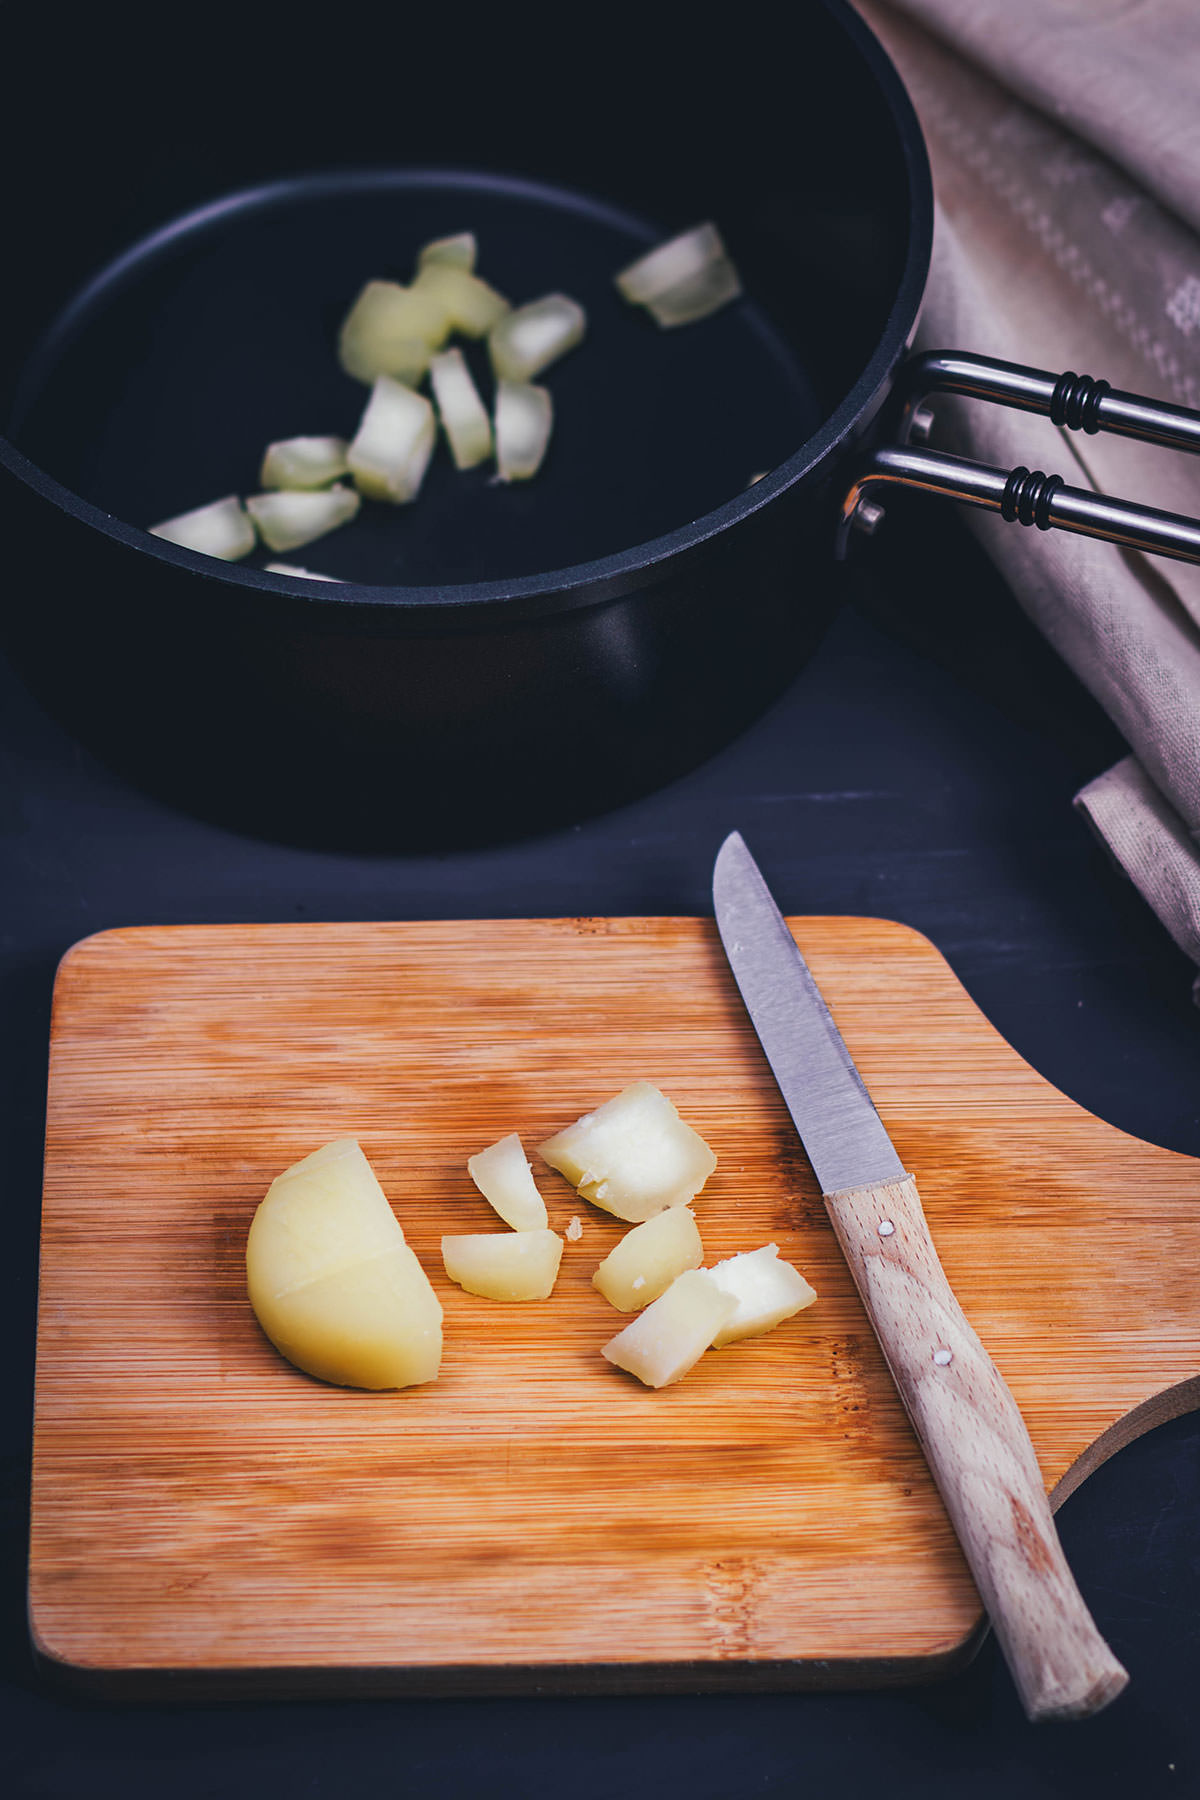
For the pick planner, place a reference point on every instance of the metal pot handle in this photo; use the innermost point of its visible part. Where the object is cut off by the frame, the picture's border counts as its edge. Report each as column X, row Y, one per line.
column 1028, row 497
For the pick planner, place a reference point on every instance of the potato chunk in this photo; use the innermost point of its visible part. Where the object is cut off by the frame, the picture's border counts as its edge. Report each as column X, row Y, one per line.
column 504, row 1178
column 504, row 1265
column 633, row 1156
column 671, row 1336
column 332, row 1281
column 648, row 1258
column 766, row 1290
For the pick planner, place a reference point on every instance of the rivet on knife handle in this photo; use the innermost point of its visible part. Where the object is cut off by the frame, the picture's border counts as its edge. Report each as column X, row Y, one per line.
column 979, row 1452
column 970, row 1428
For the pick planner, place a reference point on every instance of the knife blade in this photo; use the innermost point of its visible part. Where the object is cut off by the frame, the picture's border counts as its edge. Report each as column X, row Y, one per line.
column 965, row 1418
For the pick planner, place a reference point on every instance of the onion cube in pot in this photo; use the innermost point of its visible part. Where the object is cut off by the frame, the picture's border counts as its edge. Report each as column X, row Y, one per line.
column 684, row 279
column 470, row 305
column 454, row 252
column 504, row 1265
column 531, row 337
column 390, row 452
column 303, row 462
column 391, row 330
column 524, row 419
column 286, row 519
column 671, row 1336
column 463, row 414
column 281, row 568
column 222, row 529
column 696, row 298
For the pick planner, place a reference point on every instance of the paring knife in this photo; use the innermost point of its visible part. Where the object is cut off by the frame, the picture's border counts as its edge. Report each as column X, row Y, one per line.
column 970, row 1430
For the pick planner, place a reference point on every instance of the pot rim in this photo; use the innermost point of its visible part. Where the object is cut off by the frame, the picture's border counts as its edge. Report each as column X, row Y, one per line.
column 622, row 571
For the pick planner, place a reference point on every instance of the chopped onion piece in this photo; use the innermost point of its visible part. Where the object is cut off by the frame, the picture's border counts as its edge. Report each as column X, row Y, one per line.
column 391, row 330
column 287, row 520
column 471, row 306
column 303, row 462
column 295, row 569
column 463, row 414
column 393, row 444
column 222, row 529
column 529, row 338
column 695, row 298
column 679, row 259
column 524, row 417
column 457, row 252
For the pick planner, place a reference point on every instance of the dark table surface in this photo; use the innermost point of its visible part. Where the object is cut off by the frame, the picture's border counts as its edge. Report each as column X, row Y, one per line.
column 921, row 768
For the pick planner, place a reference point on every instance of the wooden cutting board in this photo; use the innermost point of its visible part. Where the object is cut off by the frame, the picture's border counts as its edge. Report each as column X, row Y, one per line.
column 206, row 1516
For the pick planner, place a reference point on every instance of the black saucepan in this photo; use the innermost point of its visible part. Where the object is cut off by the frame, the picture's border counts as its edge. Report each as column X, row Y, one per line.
column 495, row 658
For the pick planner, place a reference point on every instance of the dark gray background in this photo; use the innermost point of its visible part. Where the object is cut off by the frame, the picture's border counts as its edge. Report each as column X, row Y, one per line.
column 921, row 768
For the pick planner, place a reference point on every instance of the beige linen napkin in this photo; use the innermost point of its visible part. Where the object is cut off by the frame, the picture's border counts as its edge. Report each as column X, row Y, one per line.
column 1077, row 248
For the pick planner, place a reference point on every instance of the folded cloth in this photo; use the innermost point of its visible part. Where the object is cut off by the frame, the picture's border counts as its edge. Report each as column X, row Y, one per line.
column 1076, row 249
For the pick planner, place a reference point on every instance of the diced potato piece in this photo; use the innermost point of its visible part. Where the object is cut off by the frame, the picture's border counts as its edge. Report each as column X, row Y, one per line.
column 673, row 1333
column 222, row 529
column 394, row 442
column 524, row 419
column 648, row 1258
column 529, row 338
column 766, row 1291
column 634, row 1156
column 504, row 1178
column 456, row 252
column 286, row 519
column 303, row 462
column 463, row 414
column 391, row 330
column 504, row 1265
column 469, row 304
column 332, row 1281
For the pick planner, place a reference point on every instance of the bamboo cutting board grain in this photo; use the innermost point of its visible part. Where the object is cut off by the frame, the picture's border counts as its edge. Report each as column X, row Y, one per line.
column 535, row 1519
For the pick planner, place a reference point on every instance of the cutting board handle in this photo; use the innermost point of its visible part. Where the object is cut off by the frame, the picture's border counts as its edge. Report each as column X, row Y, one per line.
column 979, row 1452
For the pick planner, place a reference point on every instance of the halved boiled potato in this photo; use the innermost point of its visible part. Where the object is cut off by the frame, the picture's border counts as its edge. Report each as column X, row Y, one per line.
column 332, row 1281
column 671, row 1336
column 504, row 1178
column 766, row 1291
column 504, row 1265
column 634, row 1156
column 648, row 1258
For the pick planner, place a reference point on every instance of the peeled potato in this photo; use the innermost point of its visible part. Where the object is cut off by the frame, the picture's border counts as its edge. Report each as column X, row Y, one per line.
column 671, row 1336
column 633, row 1156
column 504, row 1265
column 648, row 1258
column 504, row 1178
column 332, row 1281
column 766, row 1292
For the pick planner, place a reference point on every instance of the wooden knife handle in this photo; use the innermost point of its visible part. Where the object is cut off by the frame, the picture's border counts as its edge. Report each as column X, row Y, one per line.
column 979, row 1452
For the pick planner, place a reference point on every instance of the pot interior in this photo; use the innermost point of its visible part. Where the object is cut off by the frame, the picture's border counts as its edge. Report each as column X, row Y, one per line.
column 160, row 341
